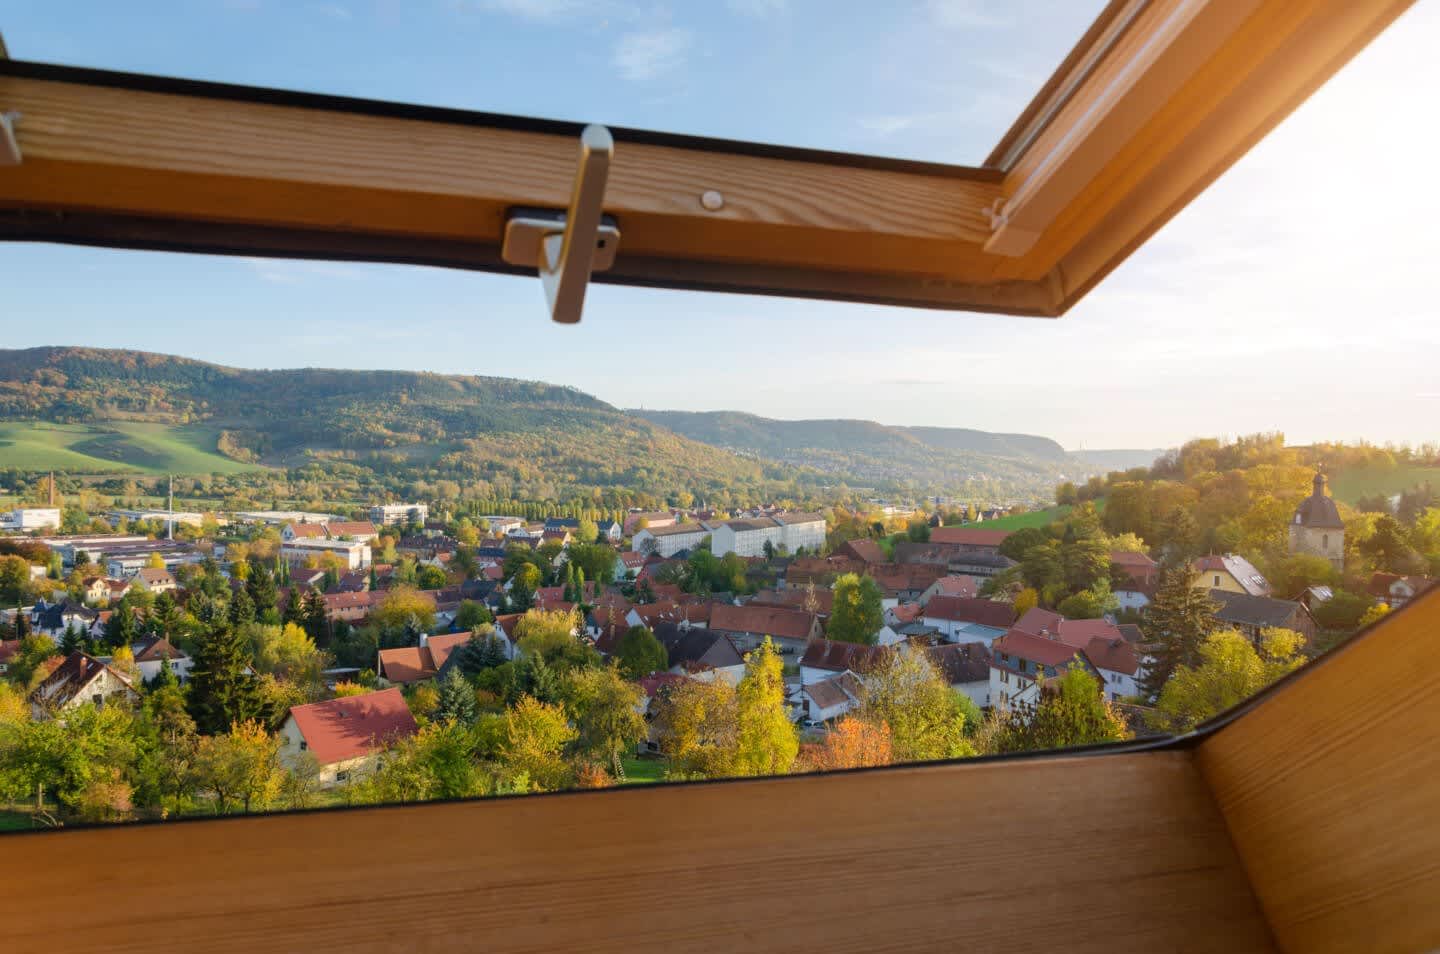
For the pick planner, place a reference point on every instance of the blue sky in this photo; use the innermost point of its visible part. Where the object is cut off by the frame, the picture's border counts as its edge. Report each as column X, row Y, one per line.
column 1295, row 295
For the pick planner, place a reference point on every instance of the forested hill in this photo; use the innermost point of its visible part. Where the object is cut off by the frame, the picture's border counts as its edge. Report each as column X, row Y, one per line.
column 867, row 453
column 515, row 435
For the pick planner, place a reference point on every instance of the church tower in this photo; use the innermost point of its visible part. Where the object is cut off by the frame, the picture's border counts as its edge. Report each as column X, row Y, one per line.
column 1317, row 528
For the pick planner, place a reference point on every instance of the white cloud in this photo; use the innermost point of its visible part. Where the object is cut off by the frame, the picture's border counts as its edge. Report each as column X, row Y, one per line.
column 968, row 14
column 646, row 55
column 282, row 271
column 759, row 8
column 536, row 9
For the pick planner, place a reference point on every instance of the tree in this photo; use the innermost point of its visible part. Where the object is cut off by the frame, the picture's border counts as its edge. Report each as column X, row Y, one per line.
column 587, row 531
column 1089, row 604
column 907, row 694
column 1176, row 623
column 550, row 634
column 241, row 767
column 84, row 760
column 596, row 560
column 766, row 741
column 430, row 577
column 121, row 630
column 242, row 608
column 1343, row 611
column 1292, row 575
column 222, row 692
column 1026, row 600
column 852, row 743
column 1230, row 671
column 1377, row 612
column 606, row 712
column 316, row 617
column 14, row 579
column 696, row 724
column 404, row 605
column 472, row 614
column 1074, row 712
column 155, row 561
column 457, row 699
column 640, row 653
column 523, row 586
column 535, row 736
column 480, row 652
column 261, row 587
column 1388, row 546
column 286, row 652
column 857, row 616
column 1017, row 544
column 1179, row 536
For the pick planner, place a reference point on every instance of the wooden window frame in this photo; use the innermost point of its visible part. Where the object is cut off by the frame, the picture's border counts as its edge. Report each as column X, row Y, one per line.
column 1304, row 819
column 1158, row 99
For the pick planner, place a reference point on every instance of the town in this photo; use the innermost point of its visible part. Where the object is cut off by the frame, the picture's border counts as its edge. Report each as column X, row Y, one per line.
column 160, row 662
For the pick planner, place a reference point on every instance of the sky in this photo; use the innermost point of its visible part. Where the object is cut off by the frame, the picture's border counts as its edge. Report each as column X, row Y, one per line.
column 1296, row 294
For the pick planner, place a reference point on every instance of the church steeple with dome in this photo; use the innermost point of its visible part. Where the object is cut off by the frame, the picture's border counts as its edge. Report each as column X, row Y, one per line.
column 1317, row 528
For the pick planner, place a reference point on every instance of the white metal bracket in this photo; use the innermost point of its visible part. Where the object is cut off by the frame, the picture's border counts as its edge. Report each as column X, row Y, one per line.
column 565, row 247
column 9, row 146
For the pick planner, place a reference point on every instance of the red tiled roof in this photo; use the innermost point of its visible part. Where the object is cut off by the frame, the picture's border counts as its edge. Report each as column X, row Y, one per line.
column 957, row 584
column 343, row 601
column 652, row 613
column 656, row 681
column 780, row 622
column 1114, row 654
column 442, row 646
column 907, row 612
column 838, row 656
column 1079, row 632
column 796, row 597
column 1049, row 652
column 906, row 576
column 867, row 551
column 1035, row 620
column 307, row 531
column 8, row 649
column 968, row 536
column 157, row 649
column 353, row 726
column 960, row 609
column 961, row 662
column 407, row 664
column 350, row 528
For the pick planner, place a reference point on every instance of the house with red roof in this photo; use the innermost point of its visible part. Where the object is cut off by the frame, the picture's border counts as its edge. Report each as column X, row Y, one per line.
column 963, row 619
column 407, row 665
column 825, row 658
column 345, row 735
column 79, row 680
column 970, row 539
column 865, row 550
column 953, row 584
column 790, row 629
column 1018, row 659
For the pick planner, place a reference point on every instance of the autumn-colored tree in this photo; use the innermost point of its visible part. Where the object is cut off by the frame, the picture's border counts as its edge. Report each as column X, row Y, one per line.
column 857, row 615
column 640, row 653
column 402, row 605
column 605, row 709
column 536, row 735
column 345, row 689
column 1073, row 711
column 1377, row 612
column 1230, row 671
column 287, row 652
column 1026, row 600
column 766, row 742
column 853, row 743
column 155, row 561
column 696, row 724
column 551, row 634
column 241, row 768
column 906, row 693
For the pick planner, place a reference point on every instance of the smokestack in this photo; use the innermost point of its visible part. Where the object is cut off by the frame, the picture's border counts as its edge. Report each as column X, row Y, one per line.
column 52, row 488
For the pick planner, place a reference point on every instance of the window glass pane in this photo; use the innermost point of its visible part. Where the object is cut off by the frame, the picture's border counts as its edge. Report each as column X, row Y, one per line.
column 938, row 81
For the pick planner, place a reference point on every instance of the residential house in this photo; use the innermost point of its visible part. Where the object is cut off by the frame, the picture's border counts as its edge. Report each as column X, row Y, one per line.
column 349, row 606
column 652, row 520
column 305, row 578
column 1117, row 662
column 153, row 653
column 156, row 580
column 669, row 611
column 969, row 539
column 303, row 531
column 1017, row 661
column 787, row 531
column 905, row 581
column 1136, row 577
column 1251, row 614
column 629, row 564
column 968, row 619
column 388, row 515
column 1230, row 572
column 81, row 679
column 345, row 735
column 955, row 584
column 353, row 554
column 966, row 667
column 1395, row 590
column 820, row 571
column 666, row 541
column 865, row 550
column 828, row 699
column 812, row 599
column 1039, row 622
column 103, row 590
column 360, row 531
column 407, row 665
column 610, row 531
column 825, row 658
column 789, row 629
column 52, row 619
column 700, row 654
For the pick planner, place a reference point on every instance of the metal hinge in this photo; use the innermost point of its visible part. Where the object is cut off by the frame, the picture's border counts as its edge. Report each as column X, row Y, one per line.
column 9, row 145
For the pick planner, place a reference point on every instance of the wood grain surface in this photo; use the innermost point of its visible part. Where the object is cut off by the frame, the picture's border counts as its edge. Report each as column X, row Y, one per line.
column 1331, row 790
column 1111, row 853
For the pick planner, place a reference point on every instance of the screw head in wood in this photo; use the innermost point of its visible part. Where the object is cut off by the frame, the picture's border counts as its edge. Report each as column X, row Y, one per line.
column 712, row 201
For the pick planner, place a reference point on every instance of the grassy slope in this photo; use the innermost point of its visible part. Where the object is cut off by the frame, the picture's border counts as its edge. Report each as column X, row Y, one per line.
column 118, row 447
column 1034, row 518
column 1351, row 485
